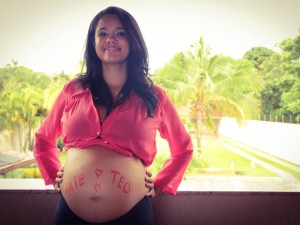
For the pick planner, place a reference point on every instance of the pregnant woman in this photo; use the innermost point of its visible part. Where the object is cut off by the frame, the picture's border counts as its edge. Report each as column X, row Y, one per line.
column 109, row 116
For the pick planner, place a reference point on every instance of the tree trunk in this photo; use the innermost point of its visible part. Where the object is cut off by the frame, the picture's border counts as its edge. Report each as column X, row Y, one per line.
column 18, row 131
column 25, row 144
column 198, row 138
column 13, row 143
column 198, row 129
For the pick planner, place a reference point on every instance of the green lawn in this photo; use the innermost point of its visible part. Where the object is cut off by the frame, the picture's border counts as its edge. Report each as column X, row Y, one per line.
column 277, row 165
column 229, row 163
column 214, row 160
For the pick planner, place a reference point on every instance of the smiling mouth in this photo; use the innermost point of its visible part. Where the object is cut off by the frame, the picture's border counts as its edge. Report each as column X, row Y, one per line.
column 112, row 49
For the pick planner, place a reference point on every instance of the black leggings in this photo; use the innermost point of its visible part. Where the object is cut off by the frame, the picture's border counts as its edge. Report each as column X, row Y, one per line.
column 140, row 214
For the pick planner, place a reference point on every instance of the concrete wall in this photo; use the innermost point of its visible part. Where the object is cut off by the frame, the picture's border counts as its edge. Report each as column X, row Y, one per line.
column 34, row 207
column 278, row 139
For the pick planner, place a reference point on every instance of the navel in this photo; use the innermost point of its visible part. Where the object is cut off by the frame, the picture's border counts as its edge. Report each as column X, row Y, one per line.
column 96, row 199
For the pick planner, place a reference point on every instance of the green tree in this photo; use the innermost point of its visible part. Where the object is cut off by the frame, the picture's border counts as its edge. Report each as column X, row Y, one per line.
column 258, row 55
column 281, row 73
column 266, row 62
column 52, row 91
column 290, row 100
column 210, row 86
column 21, row 101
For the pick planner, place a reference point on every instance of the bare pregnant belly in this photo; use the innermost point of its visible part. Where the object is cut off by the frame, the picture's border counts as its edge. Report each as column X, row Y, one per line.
column 100, row 184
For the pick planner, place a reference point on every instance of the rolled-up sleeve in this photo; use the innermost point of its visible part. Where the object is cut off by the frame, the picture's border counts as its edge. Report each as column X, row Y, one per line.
column 46, row 152
column 181, row 148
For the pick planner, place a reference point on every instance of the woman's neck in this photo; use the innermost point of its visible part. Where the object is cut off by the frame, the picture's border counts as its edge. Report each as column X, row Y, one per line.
column 115, row 76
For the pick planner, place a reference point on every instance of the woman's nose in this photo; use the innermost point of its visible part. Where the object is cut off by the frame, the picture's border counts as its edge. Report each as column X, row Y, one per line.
column 111, row 38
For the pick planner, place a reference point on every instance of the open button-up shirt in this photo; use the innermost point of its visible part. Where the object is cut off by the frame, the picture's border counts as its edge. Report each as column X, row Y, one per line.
column 127, row 129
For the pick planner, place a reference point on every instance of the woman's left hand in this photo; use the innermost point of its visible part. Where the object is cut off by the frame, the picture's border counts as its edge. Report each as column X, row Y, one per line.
column 149, row 184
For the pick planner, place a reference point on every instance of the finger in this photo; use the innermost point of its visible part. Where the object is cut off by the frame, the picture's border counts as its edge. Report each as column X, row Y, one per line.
column 61, row 173
column 148, row 173
column 149, row 180
column 149, row 185
column 56, row 187
column 151, row 193
column 59, row 176
column 58, row 180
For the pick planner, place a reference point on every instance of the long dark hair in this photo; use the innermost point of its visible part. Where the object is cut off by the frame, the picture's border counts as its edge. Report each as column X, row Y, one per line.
column 137, row 68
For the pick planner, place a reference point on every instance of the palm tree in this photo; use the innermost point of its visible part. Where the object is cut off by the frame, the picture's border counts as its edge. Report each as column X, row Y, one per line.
column 52, row 91
column 210, row 86
column 21, row 100
column 9, row 113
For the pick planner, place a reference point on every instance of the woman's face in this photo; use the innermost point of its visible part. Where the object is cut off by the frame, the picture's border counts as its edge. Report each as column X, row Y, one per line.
column 111, row 43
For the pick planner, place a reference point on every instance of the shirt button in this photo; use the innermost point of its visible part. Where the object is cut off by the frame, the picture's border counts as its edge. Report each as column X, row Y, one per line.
column 98, row 133
column 105, row 142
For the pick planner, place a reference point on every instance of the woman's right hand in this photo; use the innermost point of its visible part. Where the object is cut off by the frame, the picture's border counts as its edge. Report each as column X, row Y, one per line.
column 58, row 179
column 153, row 191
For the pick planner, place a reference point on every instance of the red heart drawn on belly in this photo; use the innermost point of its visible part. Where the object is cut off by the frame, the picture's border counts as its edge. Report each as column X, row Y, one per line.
column 97, row 187
column 98, row 172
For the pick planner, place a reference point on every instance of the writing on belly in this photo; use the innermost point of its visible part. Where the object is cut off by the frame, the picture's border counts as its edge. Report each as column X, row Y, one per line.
column 78, row 181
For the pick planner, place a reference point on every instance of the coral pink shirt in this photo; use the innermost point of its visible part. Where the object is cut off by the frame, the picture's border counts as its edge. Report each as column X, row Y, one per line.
column 127, row 129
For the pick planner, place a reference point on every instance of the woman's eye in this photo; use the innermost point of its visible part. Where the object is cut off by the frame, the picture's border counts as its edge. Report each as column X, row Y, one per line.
column 102, row 33
column 120, row 33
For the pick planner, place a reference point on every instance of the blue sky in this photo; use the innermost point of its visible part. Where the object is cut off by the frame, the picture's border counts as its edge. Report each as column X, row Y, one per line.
column 49, row 36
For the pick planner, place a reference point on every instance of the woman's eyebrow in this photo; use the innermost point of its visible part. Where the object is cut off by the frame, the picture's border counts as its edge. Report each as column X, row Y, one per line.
column 104, row 28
